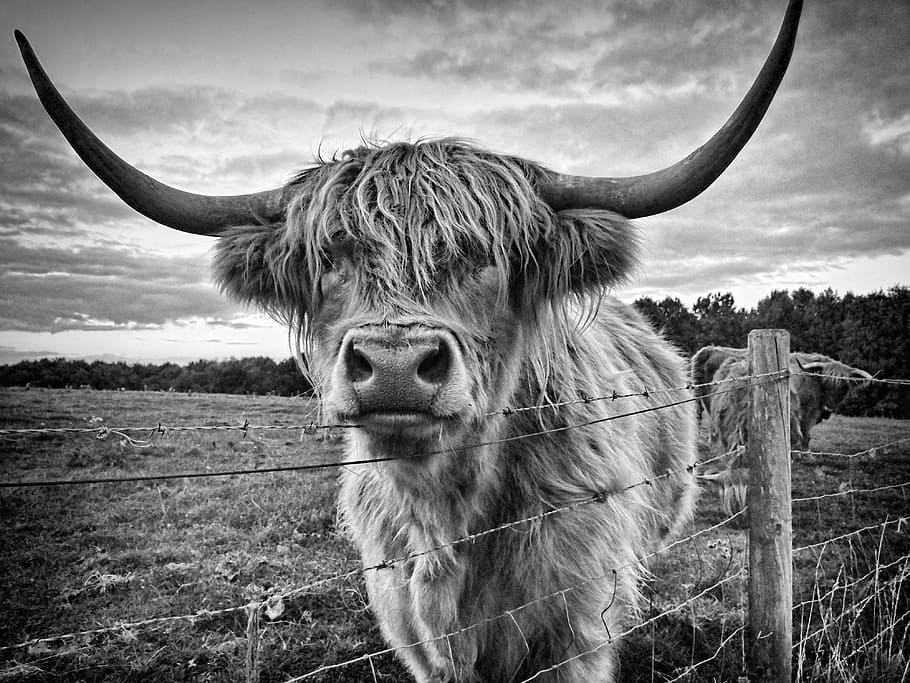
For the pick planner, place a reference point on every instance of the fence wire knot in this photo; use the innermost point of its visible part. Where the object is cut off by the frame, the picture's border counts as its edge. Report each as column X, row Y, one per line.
column 309, row 428
column 508, row 412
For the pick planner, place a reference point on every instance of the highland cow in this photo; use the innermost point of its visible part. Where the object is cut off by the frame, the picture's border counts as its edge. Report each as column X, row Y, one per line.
column 703, row 368
column 817, row 386
column 430, row 286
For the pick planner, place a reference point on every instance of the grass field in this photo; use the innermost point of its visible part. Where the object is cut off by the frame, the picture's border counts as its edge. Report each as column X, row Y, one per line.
column 81, row 557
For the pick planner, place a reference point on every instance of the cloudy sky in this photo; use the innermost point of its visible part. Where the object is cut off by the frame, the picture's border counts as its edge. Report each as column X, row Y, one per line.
column 233, row 97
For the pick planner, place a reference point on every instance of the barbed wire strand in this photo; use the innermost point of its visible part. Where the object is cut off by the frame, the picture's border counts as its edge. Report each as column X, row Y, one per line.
column 102, row 431
column 270, row 600
column 847, row 492
column 680, row 606
column 508, row 613
column 693, row 667
column 206, row 613
column 311, row 427
column 886, row 630
column 853, row 583
column 873, row 451
column 858, row 380
column 324, row 465
column 852, row 610
column 329, row 667
column 899, row 521
column 597, row 497
column 201, row 614
column 613, row 639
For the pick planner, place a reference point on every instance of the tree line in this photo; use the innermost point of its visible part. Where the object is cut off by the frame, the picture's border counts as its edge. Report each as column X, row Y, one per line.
column 258, row 375
column 869, row 331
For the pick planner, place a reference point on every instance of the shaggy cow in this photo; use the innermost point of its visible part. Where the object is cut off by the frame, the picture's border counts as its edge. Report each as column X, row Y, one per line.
column 429, row 286
column 703, row 368
column 817, row 385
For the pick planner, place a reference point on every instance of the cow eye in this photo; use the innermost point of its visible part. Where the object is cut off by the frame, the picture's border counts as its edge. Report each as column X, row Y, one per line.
column 336, row 274
column 333, row 277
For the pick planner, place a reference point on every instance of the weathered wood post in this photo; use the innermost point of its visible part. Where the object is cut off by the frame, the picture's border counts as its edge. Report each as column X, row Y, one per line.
column 771, row 525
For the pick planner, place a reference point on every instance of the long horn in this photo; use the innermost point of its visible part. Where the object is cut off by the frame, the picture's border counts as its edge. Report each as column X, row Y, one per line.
column 653, row 193
column 194, row 213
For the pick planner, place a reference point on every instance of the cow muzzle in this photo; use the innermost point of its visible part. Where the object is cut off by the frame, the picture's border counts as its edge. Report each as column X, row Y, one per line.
column 399, row 376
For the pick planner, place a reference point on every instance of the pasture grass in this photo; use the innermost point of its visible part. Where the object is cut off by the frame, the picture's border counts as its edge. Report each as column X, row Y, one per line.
column 75, row 558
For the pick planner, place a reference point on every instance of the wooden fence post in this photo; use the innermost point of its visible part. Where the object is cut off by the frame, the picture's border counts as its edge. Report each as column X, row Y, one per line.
column 770, row 518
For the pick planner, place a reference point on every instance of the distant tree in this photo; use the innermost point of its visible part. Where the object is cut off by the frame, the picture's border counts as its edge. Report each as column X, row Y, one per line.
column 875, row 338
column 794, row 313
column 676, row 322
column 868, row 331
column 719, row 321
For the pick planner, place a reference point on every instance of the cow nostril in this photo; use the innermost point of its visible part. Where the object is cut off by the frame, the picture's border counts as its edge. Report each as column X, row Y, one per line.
column 434, row 368
column 359, row 367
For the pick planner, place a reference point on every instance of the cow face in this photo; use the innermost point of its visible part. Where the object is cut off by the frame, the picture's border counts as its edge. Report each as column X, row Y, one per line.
column 423, row 280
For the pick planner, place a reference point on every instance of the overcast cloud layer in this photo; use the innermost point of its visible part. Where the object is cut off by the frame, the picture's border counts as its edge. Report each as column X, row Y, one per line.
column 237, row 100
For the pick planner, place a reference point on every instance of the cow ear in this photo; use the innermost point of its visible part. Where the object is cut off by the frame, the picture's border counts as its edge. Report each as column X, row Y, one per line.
column 584, row 250
column 256, row 265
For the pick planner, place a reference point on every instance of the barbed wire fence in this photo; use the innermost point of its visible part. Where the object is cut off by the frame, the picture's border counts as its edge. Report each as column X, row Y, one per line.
column 876, row 587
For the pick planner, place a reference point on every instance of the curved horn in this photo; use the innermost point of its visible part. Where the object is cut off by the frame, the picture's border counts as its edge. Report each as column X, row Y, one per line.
column 653, row 193
column 194, row 213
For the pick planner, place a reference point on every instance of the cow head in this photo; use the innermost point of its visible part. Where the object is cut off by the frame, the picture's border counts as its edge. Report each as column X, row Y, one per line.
column 419, row 278
column 827, row 380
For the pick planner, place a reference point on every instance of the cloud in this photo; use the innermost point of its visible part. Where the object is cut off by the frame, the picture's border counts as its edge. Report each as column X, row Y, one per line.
column 891, row 133
column 591, row 88
column 46, row 288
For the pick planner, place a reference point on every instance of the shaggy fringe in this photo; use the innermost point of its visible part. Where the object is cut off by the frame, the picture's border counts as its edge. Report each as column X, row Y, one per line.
column 416, row 219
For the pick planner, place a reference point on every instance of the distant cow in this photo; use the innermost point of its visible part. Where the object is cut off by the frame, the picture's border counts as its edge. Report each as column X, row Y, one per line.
column 817, row 386
column 429, row 287
column 704, row 366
